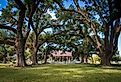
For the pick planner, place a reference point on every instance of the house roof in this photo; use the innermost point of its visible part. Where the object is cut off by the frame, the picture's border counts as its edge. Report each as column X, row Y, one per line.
column 61, row 53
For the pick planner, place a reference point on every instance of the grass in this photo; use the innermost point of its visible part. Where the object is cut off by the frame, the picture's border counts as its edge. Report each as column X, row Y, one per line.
column 60, row 73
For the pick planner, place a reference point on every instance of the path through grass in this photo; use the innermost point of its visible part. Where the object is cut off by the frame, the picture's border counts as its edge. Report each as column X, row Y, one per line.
column 60, row 73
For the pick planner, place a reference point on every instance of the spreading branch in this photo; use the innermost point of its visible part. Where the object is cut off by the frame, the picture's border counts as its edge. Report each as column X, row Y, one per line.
column 83, row 14
column 8, row 28
column 9, row 42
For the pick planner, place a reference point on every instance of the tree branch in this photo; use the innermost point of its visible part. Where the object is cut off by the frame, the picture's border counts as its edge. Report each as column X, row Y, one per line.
column 92, row 25
column 9, row 42
column 20, row 4
column 8, row 28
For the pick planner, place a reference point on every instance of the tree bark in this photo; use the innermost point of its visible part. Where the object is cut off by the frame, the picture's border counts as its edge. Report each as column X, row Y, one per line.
column 45, row 58
column 82, row 58
column 34, row 56
column 86, row 59
column 35, row 43
column 20, row 52
column 20, row 40
column 35, row 50
column 4, row 58
column 105, row 60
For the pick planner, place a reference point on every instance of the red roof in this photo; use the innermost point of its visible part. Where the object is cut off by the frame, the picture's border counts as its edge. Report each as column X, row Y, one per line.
column 61, row 53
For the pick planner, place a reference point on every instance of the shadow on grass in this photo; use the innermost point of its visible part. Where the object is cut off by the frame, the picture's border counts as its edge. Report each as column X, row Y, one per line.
column 60, row 73
column 12, row 75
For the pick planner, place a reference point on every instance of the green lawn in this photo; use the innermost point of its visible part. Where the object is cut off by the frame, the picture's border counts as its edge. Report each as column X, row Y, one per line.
column 60, row 73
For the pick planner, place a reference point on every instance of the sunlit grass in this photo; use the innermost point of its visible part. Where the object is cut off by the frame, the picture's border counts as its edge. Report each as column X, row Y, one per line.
column 60, row 73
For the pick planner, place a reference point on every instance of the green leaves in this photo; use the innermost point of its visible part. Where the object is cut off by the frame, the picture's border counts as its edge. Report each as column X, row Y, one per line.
column 3, row 34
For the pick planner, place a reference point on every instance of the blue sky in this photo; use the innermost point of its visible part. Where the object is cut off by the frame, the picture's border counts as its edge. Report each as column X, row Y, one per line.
column 3, row 3
column 119, row 44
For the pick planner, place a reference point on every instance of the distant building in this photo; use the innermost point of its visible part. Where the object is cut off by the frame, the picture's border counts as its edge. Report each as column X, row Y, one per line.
column 59, row 55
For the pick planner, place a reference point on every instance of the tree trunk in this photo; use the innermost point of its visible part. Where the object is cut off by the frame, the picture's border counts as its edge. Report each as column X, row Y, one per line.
column 34, row 56
column 20, row 40
column 86, row 59
column 35, row 50
column 105, row 59
column 20, row 52
column 82, row 58
column 4, row 58
column 45, row 58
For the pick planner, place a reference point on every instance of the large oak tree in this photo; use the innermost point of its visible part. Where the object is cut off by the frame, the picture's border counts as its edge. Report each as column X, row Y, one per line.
column 108, row 13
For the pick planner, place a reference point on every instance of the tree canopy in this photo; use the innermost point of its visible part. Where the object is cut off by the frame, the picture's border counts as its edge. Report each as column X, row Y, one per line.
column 83, row 26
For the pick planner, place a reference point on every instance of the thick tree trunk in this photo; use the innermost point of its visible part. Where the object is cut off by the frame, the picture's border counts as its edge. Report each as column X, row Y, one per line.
column 20, row 60
column 105, row 59
column 20, row 53
column 20, row 40
column 35, row 50
column 34, row 56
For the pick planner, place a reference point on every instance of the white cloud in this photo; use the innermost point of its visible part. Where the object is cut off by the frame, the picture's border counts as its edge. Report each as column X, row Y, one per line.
column 52, row 14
